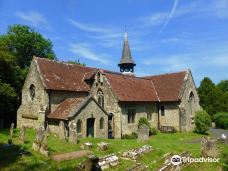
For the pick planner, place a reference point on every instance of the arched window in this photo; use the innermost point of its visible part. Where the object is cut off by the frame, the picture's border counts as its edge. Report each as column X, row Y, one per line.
column 79, row 126
column 163, row 110
column 191, row 102
column 100, row 98
column 32, row 91
column 102, row 123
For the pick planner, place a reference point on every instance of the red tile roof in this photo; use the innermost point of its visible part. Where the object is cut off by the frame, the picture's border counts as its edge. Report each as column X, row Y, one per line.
column 63, row 76
column 70, row 77
column 168, row 86
column 65, row 108
column 130, row 88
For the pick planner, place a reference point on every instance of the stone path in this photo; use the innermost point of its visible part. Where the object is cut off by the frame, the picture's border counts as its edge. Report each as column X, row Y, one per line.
column 71, row 155
column 216, row 133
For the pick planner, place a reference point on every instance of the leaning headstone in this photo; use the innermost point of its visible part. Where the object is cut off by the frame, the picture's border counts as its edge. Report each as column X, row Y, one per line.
column 92, row 164
column 11, row 134
column 209, row 148
column 143, row 133
column 22, row 134
column 44, row 145
column 38, row 139
column 103, row 146
column 62, row 131
column 72, row 133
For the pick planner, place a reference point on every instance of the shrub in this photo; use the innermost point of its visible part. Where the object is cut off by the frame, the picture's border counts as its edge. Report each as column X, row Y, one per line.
column 143, row 121
column 133, row 135
column 202, row 122
column 221, row 120
column 153, row 131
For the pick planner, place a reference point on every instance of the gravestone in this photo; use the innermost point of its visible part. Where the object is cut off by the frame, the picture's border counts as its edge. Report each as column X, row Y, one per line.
column 38, row 139
column 62, row 131
column 103, row 146
column 108, row 161
column 72, row 133
column 11, row 134
column 22, row 134
column 209, row 148
column 44, row 145
column 143, row 133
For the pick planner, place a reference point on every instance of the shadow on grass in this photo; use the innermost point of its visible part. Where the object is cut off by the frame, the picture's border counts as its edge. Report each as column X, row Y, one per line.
column 10, row 154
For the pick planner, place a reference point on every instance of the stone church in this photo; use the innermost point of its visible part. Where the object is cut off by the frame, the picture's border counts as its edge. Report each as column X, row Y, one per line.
column 102, row 103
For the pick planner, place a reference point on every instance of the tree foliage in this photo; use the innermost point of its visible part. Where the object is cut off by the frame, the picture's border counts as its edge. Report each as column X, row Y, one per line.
column 17, row 48
column 202, row 122
column 221, row 120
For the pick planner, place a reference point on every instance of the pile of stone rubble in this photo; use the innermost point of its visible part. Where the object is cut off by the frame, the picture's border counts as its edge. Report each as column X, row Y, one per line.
column 108, row 161
column 133, row 154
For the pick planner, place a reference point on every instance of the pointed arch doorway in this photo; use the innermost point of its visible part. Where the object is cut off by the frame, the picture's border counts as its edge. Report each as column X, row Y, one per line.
column 90, row 127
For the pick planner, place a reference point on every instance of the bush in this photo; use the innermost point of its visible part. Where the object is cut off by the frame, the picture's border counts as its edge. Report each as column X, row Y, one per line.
column 133, row 135
column 202, row 122
column 153, row 131
column 143, row 121
column 221, row 120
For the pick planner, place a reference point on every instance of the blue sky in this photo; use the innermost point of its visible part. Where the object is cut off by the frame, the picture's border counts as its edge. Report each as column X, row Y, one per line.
column 164, row 35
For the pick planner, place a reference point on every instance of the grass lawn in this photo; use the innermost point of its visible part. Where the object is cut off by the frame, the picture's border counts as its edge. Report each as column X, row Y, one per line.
column 10, row 159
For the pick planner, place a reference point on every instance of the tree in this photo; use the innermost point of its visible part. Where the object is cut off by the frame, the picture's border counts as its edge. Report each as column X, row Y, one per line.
column 23, row 42
column 209, row 96
column 17, row 48
column 202, row 122
column 223, row 85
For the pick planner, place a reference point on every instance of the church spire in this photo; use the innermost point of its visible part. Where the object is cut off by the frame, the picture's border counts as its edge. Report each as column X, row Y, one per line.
column 126, row 63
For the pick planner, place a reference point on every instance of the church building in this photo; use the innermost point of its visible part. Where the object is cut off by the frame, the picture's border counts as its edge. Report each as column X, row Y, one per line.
column 103, row 103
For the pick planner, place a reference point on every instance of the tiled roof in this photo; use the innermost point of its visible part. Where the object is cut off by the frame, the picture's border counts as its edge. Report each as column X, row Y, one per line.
column 168, row 86
column 130, row 88
column 63, row 76
column 71, row 77
column 65, row 108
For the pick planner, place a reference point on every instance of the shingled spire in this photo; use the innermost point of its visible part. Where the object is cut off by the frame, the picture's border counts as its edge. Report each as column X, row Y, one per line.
column 126, row 63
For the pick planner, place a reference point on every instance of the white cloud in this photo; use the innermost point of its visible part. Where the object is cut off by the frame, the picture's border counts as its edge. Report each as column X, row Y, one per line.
column 34, row 18
column 83, row 50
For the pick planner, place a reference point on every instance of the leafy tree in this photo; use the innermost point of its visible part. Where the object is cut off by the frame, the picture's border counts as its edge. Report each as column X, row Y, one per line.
column 221, row 120
column 209, row 96
column 76, row 62
column 17, row 48
column 223, row 85
column 202, row 122
column 23, row 42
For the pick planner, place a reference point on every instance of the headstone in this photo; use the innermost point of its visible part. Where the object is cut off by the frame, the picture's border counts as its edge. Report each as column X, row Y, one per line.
column 38, row 139
column 87, row 146
column 103, row 146
column 11, row 134
column 92, row 164
column 62, row 131
column 72, row 133
column 213, row 125
column 143, row 133
column 44, row 145
column 22, row 134
column 209, row 148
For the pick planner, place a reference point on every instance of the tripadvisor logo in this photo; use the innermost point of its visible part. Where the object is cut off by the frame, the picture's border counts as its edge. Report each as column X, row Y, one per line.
column 176, row 160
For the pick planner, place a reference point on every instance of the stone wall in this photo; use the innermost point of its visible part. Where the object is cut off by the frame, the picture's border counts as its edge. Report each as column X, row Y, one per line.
column 110, row 101
column 171, row 115
column 188, row 112
column 91, row 110
column 29, row 111
column 141, row 109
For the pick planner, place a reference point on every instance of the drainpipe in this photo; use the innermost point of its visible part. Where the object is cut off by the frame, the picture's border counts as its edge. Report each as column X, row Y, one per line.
column 158, row 107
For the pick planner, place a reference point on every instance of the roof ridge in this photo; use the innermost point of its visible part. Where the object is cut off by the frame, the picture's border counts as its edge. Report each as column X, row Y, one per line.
column 166, row 74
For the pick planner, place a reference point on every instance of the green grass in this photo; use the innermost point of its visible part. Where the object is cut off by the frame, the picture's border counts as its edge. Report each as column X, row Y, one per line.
column 161, row 144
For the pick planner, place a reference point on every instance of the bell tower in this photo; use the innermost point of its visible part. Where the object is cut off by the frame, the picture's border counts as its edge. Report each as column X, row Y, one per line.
column 126, row 63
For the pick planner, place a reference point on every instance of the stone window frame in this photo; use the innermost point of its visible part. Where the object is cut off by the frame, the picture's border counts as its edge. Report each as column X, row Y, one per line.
column 32, row 91
column 131, row 114
column 100, row 97
column 162, row 109
column 101, row 123
column 79, row 126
